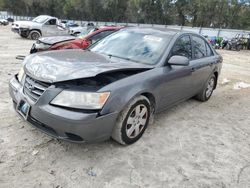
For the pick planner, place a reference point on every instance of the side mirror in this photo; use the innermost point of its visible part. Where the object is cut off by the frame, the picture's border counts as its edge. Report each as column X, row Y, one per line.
column 178, row 60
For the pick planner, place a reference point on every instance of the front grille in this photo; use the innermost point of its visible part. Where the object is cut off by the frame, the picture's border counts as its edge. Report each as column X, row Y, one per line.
column 33, row 88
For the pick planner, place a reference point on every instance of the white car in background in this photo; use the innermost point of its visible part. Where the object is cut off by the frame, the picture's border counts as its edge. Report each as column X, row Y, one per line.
column 85, row 27
column 40, row 26
column 4, row 22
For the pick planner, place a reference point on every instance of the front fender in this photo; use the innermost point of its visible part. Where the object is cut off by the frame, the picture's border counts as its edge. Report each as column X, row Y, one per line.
column 125, row 90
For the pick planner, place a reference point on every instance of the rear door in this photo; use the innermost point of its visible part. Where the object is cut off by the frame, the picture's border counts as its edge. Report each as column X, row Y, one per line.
column 202, row 63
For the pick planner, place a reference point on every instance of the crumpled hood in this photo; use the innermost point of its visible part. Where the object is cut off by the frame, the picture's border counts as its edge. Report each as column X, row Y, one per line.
column 56, row 39
column 64, row 65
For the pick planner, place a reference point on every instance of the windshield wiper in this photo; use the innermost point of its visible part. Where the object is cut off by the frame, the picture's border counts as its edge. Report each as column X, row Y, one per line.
column 110, row 56
column 116, row 56
column 125, row 58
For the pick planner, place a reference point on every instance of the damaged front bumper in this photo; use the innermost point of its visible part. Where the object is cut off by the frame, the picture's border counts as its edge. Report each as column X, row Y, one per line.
column 66, row 124
column 24, row 32
column 15, row 30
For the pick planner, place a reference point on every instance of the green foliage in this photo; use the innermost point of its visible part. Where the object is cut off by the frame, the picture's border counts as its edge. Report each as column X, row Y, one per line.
column 198, row 13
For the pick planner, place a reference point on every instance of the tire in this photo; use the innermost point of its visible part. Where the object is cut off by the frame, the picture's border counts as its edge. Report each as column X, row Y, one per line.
column 133, row 121
column 228, row 47
column 239, row 47
column 208, row 89
column 34, row 35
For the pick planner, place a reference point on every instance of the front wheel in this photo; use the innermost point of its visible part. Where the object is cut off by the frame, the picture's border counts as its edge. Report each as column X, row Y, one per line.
column 34, row 35
column 228, row 47
column 132, row 121
column 207, row 91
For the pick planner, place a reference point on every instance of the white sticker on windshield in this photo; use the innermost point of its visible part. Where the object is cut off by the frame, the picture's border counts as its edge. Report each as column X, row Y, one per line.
column 152, row 38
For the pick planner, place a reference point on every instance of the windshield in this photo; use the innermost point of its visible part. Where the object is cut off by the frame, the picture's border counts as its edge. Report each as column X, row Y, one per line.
column 134, row 45
column 40, row 19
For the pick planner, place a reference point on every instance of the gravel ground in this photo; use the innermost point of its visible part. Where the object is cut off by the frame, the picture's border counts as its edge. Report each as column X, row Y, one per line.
column 192, row 145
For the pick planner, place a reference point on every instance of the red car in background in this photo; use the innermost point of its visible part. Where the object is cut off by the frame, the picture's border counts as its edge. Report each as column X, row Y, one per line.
column 70, row 42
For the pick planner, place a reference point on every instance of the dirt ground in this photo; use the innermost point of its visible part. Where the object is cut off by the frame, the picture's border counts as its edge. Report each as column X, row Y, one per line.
column 193, row 145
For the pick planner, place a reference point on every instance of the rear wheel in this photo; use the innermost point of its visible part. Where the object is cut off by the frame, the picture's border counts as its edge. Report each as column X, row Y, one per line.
column 207, row 91
column 132, row 122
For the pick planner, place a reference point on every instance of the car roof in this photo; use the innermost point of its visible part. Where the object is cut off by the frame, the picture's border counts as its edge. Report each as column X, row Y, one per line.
column 48, row 16
column 100, row 29
column 105, row 27
column 166, row 31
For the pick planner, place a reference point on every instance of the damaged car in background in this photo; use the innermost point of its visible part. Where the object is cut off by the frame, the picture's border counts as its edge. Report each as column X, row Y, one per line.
column 78, row 30
column 115, row 87
column 4, row 22
column 84, row 40
column 40, row 26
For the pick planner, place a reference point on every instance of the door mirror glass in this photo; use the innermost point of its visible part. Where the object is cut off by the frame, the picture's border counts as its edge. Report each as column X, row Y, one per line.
column 178, row 60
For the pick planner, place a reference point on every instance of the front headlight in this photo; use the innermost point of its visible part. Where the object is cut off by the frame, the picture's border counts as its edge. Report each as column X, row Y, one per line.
column 81, row 100
column 20, row 75
column 42, row 46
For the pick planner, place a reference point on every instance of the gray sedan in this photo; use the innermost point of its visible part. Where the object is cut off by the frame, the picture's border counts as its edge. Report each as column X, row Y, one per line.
column 114, row 88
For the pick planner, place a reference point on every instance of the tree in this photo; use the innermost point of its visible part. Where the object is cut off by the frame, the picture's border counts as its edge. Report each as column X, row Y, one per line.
column 196, row 13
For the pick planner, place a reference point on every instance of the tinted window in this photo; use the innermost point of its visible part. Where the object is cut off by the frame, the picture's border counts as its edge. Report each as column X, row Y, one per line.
column 200, row 50
column 183, row 47
column 90, row 24
column 51, row 22
column 209, row 51
column 100, row 35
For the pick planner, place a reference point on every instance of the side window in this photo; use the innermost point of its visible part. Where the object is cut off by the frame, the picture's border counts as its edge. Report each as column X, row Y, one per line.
column 200, row 50
column 90, row 24
column 183, row 47
column 100, row 35
column 209, row 51
column 51, row 22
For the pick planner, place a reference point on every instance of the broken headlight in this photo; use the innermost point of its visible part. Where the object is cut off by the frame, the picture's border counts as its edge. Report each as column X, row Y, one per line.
column 81, row 100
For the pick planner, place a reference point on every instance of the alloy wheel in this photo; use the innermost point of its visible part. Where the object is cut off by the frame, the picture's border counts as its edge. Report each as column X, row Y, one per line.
column 136, row 121
column 210, row 87
column 35, row 36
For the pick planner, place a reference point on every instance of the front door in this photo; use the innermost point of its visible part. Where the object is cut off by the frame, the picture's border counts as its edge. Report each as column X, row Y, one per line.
column 177, row 80
column 50, row 28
